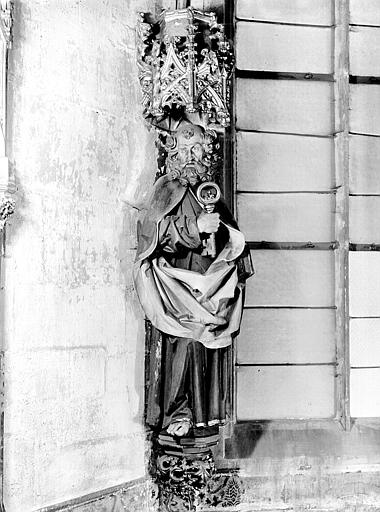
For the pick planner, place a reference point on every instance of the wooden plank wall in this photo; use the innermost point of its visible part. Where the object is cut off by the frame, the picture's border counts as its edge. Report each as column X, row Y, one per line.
column 365, row 207
column 285, row 196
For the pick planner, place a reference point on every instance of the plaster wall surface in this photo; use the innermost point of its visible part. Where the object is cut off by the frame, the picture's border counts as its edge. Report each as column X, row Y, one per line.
column 73, row 330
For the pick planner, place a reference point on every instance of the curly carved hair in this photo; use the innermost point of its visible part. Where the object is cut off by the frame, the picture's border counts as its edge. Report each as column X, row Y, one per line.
column 168, row 153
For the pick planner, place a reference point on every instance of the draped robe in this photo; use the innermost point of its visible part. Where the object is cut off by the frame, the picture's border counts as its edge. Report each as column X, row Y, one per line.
column 195, row 302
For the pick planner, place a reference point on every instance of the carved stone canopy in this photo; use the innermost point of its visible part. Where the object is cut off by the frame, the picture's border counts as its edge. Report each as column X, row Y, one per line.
column 185, row 65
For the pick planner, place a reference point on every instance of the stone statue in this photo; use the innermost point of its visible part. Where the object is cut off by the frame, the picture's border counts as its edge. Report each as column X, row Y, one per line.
column 193, row 300
column 192, row 260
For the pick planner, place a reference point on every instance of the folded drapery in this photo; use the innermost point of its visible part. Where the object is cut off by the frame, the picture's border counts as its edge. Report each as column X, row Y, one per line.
column 204, row 307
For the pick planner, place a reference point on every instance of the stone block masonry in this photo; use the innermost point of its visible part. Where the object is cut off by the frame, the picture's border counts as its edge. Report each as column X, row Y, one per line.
column 73, row 332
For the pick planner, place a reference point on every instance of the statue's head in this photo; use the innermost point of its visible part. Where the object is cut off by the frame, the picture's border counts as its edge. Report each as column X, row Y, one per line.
column 192, row 154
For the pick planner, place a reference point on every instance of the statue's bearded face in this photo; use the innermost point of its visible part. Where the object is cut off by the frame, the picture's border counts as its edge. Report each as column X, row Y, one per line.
column 190, row 159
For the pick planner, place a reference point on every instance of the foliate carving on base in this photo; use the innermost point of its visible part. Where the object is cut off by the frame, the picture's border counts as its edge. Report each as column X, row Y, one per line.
column 223, row 490
column 192, row 484
column 182, row 481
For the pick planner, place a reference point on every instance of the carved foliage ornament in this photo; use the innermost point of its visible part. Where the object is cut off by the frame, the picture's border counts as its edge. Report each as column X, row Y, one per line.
column 189, row 484
column 185, row 63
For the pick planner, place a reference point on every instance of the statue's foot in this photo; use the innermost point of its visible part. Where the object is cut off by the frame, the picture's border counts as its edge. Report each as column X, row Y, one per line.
column 179, row 428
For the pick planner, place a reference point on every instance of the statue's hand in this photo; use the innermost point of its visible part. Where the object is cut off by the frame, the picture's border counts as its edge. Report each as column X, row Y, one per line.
column 208, row 222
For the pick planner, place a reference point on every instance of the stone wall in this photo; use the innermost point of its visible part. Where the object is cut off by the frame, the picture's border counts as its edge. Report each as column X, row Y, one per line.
column 73, row 330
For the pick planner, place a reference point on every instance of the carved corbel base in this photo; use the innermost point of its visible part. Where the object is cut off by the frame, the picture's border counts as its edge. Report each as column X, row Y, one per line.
column 191, row 483
column 182, row 480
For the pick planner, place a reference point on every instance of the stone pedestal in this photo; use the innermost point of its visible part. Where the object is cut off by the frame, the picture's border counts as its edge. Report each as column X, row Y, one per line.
column 186, row 476
column 182, row 481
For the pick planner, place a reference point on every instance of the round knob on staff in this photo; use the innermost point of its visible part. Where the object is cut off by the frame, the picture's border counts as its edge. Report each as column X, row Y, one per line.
column 208, row 194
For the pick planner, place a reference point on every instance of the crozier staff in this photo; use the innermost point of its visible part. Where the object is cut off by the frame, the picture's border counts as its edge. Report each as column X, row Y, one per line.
column 193, row 299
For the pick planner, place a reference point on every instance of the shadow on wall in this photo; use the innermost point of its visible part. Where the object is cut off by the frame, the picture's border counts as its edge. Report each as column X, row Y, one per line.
column 140, row 169
column 134, row 314
column 244, row 440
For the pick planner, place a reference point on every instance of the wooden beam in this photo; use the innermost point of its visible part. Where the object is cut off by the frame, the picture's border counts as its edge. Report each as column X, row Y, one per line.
column 294, row 246
column 341, row 71
column 284, row 75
